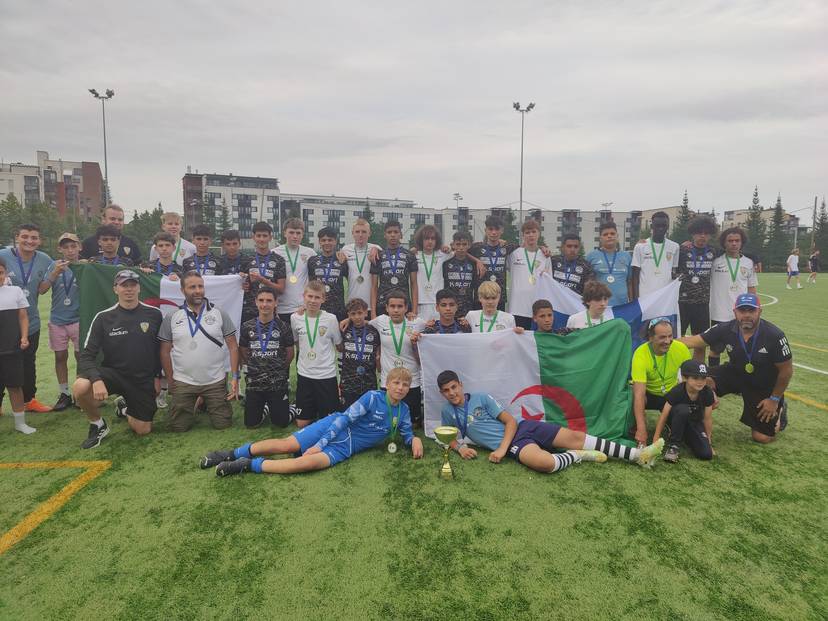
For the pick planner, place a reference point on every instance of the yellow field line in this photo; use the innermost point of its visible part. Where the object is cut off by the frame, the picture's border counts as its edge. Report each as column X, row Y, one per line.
column 824, row 351
column 806, row 400
column 92, row 470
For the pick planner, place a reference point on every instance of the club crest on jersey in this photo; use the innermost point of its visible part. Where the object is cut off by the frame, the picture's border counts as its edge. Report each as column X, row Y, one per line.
column 669, row 255
column 144, row 326
column 369, row 338
column 209, row 320
column 579, row 269
column 126, row 251
column 322, row 330
column 478, row 412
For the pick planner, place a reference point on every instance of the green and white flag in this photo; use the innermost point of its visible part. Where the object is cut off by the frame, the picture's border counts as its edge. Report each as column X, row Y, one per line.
column 580, row 381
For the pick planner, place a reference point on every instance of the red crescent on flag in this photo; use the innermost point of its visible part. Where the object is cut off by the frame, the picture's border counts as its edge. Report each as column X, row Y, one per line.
column 570, row 406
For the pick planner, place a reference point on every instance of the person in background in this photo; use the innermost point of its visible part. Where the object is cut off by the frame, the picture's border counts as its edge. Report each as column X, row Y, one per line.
column 654, row 262
column 695, row 268
column 64, row 320
column 596, row 299
column 360, row 255
column 14, row 340
column 113, row 215
column 203, row 261
column 568, row 268
column 331, row 272
column 164, row 245
column 394, row 270
column 611, row 265
column 295, row 257
column 171, row 223
column 792, row 264
column 525, row 266
column 813, row 266
column 109, row 240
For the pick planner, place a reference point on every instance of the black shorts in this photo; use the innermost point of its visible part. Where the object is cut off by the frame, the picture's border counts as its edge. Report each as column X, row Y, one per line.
column 729, row 381
column 140, row 396
column 278, row 406
column 533, row 432
column 523, row 322
column 316, row 398
column 655, row 402
column 11, row 371
column 694, row 316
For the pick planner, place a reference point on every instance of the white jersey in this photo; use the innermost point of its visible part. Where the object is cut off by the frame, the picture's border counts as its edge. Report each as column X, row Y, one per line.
column 579, row 321
column 319, row 361
column 293, row 298
column 356, row 288
column 499, row 321
column 427, row 288
column 724, row 289
column 183, row 250
column 654, row 277
column 522, row 290
column 793, row 263
column 388, row 356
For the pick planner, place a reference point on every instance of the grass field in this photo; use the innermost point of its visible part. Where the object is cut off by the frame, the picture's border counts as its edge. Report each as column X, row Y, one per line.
column 381, row 536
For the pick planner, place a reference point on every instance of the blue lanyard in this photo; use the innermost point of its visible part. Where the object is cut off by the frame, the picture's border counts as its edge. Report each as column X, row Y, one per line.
column 194, row 326
column 328, row 266
column 161, row 268
column 201, row 267
column 359, row 343
column 464, row 424
column 263, row 343
column 454, row 327
column 569, row 266
column 259, row 265
column 396, row 260
column 494, row 253
column 696, row 263
column 67, row 287
column 755, row 338
column 610, row 266
column 24, row 275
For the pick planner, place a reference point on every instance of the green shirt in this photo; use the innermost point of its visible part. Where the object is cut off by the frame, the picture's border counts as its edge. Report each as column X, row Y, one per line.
column 660, row 376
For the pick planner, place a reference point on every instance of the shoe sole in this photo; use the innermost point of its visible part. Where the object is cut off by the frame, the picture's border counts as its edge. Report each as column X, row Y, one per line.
column 100, row 438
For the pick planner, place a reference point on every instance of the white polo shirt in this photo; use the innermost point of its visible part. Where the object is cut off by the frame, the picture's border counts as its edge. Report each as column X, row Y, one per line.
column 502, row 321
column 185, row 251
column 651, row 277
column 388, row 356
column 523, row 292
column 578, row 321
column 427, row 288
column 724, row 289
column 319, row 361
column 357, row 289
column 292, row 298
column 197, row 359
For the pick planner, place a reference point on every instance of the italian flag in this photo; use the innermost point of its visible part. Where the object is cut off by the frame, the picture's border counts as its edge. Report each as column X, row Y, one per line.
column 580, row 381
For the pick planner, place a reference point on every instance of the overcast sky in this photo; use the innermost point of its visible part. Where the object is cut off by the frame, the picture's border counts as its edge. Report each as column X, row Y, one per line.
column 635, row 101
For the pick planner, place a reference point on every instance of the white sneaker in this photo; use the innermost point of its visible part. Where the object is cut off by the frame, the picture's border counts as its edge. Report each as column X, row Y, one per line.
column 799, row 286
column 161, row 400
column 788, row 287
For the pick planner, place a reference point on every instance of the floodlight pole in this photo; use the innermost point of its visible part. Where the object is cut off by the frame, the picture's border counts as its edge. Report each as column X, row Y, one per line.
column 523, row 112
column 109, row 94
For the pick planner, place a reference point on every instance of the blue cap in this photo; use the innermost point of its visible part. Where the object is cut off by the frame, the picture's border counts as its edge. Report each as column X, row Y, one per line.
column 747, row 299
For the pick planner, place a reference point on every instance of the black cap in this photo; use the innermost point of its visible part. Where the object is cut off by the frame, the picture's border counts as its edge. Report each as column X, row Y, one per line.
column 692, row 368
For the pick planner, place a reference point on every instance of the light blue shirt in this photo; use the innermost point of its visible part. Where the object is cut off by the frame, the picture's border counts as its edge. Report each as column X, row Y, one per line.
column 64, row 314
column 40, row 266
column 482, row 426
column 620, row 272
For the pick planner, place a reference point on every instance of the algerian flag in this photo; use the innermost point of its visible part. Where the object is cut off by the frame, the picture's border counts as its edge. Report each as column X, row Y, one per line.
column 96, row 293
column 579, row 380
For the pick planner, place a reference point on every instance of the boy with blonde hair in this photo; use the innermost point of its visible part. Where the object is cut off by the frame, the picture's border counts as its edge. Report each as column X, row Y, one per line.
column 171, row 223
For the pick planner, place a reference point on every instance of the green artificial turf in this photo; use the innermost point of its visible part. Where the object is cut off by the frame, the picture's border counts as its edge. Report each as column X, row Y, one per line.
column 382, row 537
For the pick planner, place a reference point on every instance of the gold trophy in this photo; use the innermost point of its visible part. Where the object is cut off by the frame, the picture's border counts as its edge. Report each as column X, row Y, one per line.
column 445, row 436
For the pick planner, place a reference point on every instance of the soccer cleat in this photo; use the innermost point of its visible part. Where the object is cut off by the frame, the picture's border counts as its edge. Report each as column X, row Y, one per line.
column 64, row 402
column 161, row 400
column 96, row 434
column 120, row 407
column 649, row 454
column 596, row 456
column 36, row 406
column 214, row 458
column 672, row 454
column 788, row 287
column 798, row 286
column 226, row 468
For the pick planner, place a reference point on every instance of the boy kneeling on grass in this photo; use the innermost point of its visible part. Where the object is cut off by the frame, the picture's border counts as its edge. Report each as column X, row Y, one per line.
column 372, row 420
column 482, row 420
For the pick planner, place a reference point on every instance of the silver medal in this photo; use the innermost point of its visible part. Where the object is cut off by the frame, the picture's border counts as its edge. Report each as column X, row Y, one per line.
column 493, row 278
column 311, row 355
column 695, row 280
column 428, row 286
column 67, row 302
column 394, row 280
column 360, row 279
column 398, row 362
column 392, row 447
column 610, row 278
column 327, row 288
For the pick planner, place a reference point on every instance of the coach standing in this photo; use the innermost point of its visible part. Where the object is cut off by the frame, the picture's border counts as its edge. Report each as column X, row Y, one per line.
column 760, row 366
column 193, row 355
column 127, row 336
column 113, row 215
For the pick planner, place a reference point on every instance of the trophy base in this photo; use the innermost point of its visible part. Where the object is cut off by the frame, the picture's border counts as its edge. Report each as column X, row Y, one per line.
column 446, row 472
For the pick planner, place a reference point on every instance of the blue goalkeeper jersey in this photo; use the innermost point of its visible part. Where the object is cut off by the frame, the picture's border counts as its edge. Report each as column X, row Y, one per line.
column 369, row 422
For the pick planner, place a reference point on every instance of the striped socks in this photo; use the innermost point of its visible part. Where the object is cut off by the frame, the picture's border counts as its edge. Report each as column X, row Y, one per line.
column 565, row 460
column 610, row 448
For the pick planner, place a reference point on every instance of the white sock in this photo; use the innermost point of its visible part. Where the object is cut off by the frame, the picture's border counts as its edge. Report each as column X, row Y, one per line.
column 64, row 389
column 98, row 423
column 20, row 423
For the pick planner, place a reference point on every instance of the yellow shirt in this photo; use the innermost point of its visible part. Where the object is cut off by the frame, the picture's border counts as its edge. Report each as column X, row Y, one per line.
column 661, row 375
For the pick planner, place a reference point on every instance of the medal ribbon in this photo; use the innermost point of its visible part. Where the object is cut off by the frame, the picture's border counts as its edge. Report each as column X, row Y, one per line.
column 530, row 265
column 393, row 264
column 428, row 268
column 292, row 261
column 67, row 287
column 610, row 266
column 177, row 250
column 696, row 262
column 201, row 267
column 393, row 418
column 263, row 343
column 755, row 338
column 657, row 259
column 160, row 268
column 492, row 322
column 311, row 340
column 328, row 266
column 193, row 327
column 733, row 272
column 360, row 351
column 589, row 322
column 397, row 344
column 660, row 372
column 24, row 275
column 464, row 425
column 493, row 256
column 356, row 259
column 262, row 266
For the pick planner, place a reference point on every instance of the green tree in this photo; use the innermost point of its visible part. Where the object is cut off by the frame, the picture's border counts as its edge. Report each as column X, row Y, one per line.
column 143, row 227
column 225, row 223
column 510, row 231
column 756, row 227
column 11, row 215
column 679, row 233
column 377, row 231
column 821, row 231
column 779, row 242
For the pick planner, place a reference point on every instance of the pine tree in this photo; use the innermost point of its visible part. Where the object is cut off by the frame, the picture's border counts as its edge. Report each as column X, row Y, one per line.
column 679, row 233
column 510, row 231
column 755, row 227
column 143, row 227
column 821, row 231
column 779, row 242
column 11, row 215
column 225, row 224
column 377, row 232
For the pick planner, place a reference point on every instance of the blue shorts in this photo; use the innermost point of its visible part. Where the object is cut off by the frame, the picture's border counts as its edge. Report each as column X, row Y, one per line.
column 794, row 274
column 339, row 449
column 533, row 432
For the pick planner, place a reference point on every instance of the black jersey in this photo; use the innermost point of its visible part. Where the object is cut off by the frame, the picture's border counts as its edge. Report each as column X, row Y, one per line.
column 117, row 260
column 361, row 346
column 164, row 270
column 766, row 348
column 393, row 268
column 268, row 368
column 128, row 340
column 209, row 265
column 271, row 266
column 456, row 328
column 695, row 266
column 330, row 272
column 239, row 264
column 678, row 396
column 460, row 276
column 127, row 249
column 571, row 274
column 494, row 258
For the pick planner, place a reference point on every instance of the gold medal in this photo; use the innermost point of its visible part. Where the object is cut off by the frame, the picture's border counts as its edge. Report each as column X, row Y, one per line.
column 311, row 355
column 531, row 279
column 293, row 279
column 392, row 447
column 749, row 367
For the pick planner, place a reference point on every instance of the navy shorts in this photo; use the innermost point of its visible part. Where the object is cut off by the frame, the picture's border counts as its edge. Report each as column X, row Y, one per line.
column 533, row 432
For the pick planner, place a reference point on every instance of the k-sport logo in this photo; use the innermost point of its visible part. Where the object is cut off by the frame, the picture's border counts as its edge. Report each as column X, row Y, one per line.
column 565, row 400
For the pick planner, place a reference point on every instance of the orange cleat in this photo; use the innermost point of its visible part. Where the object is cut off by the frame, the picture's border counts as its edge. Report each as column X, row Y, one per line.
column 36, row 406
